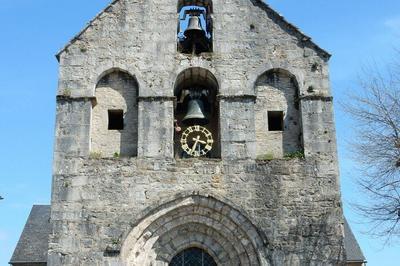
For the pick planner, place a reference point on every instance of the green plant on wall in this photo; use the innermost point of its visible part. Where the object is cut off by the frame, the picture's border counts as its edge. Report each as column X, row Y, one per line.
column 67, row 184
column 67, row 92
column 294, row 154
column 115, row 241
column 95, row 155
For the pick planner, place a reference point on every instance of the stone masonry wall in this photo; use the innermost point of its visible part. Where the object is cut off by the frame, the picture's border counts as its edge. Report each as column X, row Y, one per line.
column 294, row 203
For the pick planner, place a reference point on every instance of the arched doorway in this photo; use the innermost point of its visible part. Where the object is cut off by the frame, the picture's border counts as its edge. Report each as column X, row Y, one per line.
column 211, row 226
column 192, row 257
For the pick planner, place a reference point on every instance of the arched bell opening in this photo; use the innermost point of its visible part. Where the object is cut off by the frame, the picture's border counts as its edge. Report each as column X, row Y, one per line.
column 195, row 30
column 277, row 114
column 114, row 123
column 196, row 114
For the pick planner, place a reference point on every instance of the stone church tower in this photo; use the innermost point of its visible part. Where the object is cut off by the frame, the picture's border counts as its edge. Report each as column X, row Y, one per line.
column 194, row 132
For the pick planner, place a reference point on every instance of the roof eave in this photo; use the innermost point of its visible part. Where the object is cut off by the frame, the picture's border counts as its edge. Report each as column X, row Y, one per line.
column 88, row 25
column 303, row 36
column 13, row 262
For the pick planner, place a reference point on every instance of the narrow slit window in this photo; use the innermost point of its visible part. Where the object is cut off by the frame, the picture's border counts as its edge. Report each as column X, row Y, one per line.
column 275, row 121
column 115, row 119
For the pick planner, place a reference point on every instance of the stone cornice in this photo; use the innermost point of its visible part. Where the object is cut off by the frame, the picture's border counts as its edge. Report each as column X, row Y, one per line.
column 156, row 98
column 316, row 97
column 237, row 97
column 76, row 99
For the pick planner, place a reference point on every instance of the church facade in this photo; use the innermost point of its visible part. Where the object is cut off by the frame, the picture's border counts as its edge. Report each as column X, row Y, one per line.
column 194, row 132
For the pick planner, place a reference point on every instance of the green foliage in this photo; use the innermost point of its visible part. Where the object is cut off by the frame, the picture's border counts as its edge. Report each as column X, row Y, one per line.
column 294, row 154
column 95, row 155
column 115, row 241
column 116, row 155
column 67, row 92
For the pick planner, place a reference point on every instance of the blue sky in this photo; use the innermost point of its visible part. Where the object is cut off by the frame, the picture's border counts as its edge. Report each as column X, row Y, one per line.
column 356, row 32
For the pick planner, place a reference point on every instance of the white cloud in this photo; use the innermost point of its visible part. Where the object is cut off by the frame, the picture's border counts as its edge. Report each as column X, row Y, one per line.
column 393, row 24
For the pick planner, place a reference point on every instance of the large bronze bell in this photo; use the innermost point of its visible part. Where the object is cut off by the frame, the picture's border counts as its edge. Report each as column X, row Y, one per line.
column 194, row 28
column 195, row 114
column 195, row 38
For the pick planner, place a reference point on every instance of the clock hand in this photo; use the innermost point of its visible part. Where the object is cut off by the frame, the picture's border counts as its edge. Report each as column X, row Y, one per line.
column 196, row 140
column 200, row 141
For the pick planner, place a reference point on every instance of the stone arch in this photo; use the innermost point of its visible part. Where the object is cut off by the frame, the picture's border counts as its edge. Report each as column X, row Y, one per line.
column 197, row 77
column 277, row 114
column 193, row 76
column 108, row 71
column 105, row 68
column 194, row 221
column 263, row 68
column 116, row 96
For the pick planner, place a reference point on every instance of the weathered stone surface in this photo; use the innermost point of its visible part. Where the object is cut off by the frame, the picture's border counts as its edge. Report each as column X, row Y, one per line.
column 143, row 210
column 293, row 208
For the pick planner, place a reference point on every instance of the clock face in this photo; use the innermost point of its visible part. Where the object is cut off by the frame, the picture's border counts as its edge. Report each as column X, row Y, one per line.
column 196, row 141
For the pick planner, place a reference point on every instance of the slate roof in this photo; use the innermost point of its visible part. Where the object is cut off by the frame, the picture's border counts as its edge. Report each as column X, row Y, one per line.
column 353, row 250
column 33, row 244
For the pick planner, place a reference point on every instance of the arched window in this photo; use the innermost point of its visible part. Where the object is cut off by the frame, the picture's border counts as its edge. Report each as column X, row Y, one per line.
column 193, row 257
column 277, row 115
column 114, row 130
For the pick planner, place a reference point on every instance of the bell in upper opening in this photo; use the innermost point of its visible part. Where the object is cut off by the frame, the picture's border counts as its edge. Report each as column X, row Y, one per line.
column 195, row 114
column 194, row 29
column 195, row 39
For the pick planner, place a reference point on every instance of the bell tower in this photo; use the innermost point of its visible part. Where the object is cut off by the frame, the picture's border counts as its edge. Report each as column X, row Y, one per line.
column 190, row 137
column 196, row 88
column 196, row 114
